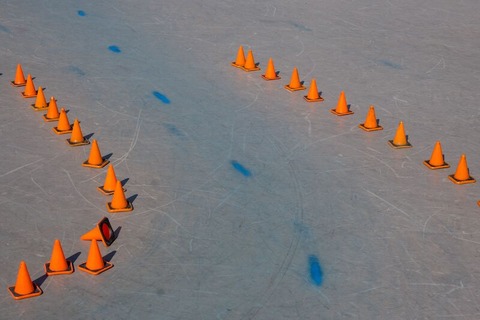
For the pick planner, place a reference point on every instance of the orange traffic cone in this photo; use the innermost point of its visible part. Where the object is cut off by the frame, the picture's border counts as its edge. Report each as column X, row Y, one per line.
column 240, row 61
column 295, row 83
column 40, row 102
column 462, row 175
column 103, row 231
column 19, row 80
column 400, row 139
column 342, row 107
column 63, row 125
column 371, row 123
column 119, row 202
column 436, row 159
column 95, row 263
column 110, row 183
column 77, row 138
column 30, row 91
column 24, row 287
column 58, row 264
column 313, row 94
column 270, row 73
column 52, row 112
column 250, row 64
column 95, row 159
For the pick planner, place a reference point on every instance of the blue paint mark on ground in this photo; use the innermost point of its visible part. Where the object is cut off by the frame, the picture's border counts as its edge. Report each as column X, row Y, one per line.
column 75, row 70
column 316, row 273
column 81, row 13
column 391, row 64
column 174, row 130
column 240, row 168
column 114, row 49
column 161, row 97
column 4, row 29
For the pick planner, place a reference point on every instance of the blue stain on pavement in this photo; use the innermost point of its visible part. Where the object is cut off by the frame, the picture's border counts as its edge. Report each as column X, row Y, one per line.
column 114, row 49
column 240, row 168
column 81, row 13
column 174, row 130
column 316, row 273
column 161, row 97
column 390, row 64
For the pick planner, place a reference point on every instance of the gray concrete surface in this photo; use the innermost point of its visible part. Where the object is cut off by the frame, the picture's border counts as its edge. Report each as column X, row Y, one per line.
column 238, row 184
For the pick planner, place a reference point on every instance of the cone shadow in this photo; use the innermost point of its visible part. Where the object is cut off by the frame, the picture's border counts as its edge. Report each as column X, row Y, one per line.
column 40, row 280
column 132, row 198
column 124, row 181
column 117, row 232
column 88, row 136
column 109, row 256
column 74, row 257
column 108, row 156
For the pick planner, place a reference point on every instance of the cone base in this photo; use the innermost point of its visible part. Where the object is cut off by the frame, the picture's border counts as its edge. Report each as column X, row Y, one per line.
column 55, row 129
column 399, row 146
column 18, row 84
column 128, row 208
column 270, row 79
column 36, row 292
column 334, row 111
column 107, row 192
column 96, row 166
column 287, row 87
column 250, row 69
column 77, row 144
column 432, row 167
column 362, row 126
column 236, row 65
column 456, row 181
column 50, row 272
column 312, row 100
column 29, row 95
column 50, row 119
column 478, row 203
column 43, row 108
column 83, row 267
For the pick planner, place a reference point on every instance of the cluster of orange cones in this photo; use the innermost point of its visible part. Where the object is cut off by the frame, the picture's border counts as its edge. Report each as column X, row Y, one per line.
column 95, row 264
column 59, row 265
column 436, row 161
